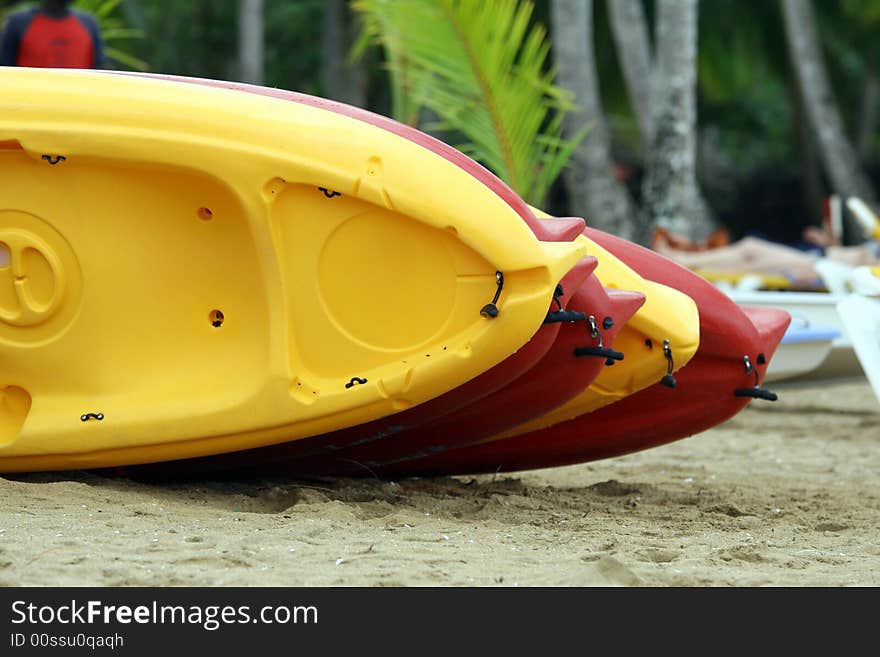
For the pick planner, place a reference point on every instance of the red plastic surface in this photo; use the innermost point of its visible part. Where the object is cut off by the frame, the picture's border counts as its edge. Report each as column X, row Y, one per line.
column 703, row 397
column 559, row 377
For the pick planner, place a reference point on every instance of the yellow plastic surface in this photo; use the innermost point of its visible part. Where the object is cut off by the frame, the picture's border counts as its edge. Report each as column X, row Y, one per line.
column 209, row 270
column 667, row 314
column 768, row 281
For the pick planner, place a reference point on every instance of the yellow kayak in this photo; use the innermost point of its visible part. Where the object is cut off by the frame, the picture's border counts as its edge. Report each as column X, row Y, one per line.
column 186, row 271
column 768, row 281
column 659, row 339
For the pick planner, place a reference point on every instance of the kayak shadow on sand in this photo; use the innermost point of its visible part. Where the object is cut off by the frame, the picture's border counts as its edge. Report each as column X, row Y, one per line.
column 504, row 499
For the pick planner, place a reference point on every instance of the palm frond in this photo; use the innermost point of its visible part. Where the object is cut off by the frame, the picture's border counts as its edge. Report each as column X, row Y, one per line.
column 481, row 67
column 100, row 8
column 114, row 33
column 126, row 59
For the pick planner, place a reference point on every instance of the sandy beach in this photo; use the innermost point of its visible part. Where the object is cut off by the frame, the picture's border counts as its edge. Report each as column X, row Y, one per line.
column 784, row 494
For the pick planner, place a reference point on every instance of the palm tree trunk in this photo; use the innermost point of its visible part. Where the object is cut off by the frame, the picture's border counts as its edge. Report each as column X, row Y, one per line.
column 809, row 164
column 670, row 195
column 250, row 41
column 341, row 80
column 632, row 41
column 867, row 112
column 838, row 156
column 594, row 192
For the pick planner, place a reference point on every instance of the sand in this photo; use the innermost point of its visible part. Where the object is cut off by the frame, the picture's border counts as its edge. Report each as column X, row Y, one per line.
column 784, row 494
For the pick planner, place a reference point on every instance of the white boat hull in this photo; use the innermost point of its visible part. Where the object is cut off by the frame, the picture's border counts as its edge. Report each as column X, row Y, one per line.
column 807, row 309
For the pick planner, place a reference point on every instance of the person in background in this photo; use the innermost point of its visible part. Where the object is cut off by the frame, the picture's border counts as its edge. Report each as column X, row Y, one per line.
column 52, row 36
column 753, row 255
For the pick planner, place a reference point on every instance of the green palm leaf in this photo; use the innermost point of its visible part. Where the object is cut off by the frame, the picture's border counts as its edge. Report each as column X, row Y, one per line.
column 481, row 67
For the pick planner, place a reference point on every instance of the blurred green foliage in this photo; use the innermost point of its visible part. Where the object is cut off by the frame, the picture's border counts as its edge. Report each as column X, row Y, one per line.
column 199, row 38
column 746, row 113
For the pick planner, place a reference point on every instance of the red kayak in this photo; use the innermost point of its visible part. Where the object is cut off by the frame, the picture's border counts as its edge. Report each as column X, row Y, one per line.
column 577, row 357
column 736, row 345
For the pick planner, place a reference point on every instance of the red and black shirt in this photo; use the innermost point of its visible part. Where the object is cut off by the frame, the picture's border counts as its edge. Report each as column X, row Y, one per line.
column 32, row 38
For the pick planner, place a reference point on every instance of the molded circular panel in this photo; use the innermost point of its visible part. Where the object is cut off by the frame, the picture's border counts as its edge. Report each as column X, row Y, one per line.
column 40, row 279
column 380, row 263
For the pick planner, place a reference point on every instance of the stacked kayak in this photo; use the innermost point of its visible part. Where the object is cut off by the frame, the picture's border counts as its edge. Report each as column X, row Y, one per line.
column 200, row 276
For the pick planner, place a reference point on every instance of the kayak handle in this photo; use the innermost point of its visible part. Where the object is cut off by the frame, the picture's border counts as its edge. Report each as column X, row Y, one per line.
column 556, row 294
column 564, row 316
column 490, row 310
column 756, row 393
column 600, row 350
column 603, row 352
column 668, row 380
column 329, row 193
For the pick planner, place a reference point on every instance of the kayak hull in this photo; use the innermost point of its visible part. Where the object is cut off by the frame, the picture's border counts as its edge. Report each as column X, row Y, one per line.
column 337, row 449
column 560, row 376
column 214, row 272
column 667, row 315
column 704, row 396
